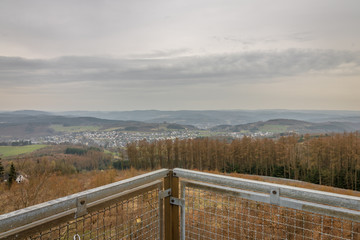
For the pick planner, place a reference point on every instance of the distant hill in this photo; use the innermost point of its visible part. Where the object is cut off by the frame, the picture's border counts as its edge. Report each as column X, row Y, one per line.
column 27, row 123
column 208, row 119
column 30, row 112
column 289, row 125
column 32, row 124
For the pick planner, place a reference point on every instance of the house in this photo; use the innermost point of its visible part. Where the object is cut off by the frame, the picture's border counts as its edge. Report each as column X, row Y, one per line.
column 21, row 178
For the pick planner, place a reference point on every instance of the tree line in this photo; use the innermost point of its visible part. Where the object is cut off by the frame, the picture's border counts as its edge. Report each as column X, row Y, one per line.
column 332, row 160
column 16, row 143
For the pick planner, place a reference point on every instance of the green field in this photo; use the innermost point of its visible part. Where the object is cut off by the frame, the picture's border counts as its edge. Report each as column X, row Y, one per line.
column 9, row 151
column 61, row 128
column 108, row 152
column 273, row 128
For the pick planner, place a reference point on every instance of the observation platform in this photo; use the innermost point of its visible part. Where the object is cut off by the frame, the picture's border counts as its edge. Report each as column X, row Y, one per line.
column 186, row 204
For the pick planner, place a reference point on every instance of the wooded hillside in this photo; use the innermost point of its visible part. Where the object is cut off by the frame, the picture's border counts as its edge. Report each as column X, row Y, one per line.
column 332, row 160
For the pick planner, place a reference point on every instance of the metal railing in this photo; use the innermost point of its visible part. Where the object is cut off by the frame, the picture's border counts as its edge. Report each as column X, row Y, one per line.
column 128, row 209
column 185, row 204
column 222, row 207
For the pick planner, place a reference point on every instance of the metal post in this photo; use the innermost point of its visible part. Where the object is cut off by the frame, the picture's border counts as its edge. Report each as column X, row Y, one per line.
column 167, row 207
column 161, row 213
column 175, row 209
column 182, row 218
column 172, row 211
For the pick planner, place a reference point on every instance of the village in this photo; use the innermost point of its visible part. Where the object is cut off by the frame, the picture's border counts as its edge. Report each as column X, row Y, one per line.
column 111, row 139
column 115, row 139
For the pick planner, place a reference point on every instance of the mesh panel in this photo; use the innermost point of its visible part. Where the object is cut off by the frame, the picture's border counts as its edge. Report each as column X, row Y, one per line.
column 211, row 212
column 134, row 218
column 211, row 215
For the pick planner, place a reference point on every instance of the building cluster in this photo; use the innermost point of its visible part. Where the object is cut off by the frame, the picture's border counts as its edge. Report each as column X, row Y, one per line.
column 115, row 139
column 109, row 139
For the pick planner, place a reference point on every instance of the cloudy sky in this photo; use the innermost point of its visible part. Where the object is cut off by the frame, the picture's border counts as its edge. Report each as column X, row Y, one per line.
column 179, row 54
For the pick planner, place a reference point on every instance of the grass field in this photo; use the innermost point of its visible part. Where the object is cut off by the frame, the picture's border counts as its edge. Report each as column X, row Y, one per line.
column 9, row 151
column 273, row 128
column 61, row 128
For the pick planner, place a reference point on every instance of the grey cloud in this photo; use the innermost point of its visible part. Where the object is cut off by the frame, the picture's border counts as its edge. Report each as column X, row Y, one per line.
column 225, row 68
column 301, row 36
column 294, row 37
column 164, row 53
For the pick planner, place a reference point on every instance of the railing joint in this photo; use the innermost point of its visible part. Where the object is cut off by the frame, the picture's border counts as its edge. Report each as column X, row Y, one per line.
column 81, row 206
column 275, row 196
column 165, row 193
column 177, row 201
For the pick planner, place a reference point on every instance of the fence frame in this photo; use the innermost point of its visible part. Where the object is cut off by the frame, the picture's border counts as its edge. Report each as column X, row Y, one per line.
column 171, row 185
column 333, row 199
column 324, row 203
column 69, row 207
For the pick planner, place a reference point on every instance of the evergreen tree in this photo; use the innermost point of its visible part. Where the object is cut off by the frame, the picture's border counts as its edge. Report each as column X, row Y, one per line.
column 1, row 171
column 12, row 175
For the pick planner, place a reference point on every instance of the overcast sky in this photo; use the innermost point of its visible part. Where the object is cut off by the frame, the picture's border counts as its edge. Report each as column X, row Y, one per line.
column 179, row 54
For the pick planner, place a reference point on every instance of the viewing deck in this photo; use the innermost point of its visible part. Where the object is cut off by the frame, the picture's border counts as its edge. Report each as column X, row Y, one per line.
column 185, row 204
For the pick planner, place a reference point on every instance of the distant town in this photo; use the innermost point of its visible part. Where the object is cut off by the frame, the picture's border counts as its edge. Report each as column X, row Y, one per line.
column 47, row 128
column 115, row 139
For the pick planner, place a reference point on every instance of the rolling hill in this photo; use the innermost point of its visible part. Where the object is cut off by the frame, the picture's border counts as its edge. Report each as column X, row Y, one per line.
column 31, row 124
column 211, row 118
column 289, row 125
column 28, row 123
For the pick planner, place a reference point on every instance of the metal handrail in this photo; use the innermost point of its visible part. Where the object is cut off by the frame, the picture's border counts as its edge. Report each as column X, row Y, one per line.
column 22, row 219
column 217, row 197
column 348, row 214
column 77, row 205
column 333, row 199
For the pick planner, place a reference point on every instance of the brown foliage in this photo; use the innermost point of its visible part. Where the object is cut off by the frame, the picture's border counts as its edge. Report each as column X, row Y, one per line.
column 46, row 185
column 332, row 160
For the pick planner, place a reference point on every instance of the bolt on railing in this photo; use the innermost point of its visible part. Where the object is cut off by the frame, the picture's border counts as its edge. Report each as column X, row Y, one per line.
column 185, row 204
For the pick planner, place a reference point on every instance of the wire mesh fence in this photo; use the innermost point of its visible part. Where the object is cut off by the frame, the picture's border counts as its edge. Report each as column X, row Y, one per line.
column 212, row 207
column 128, row 209
column 220, row 215
column 135, row 218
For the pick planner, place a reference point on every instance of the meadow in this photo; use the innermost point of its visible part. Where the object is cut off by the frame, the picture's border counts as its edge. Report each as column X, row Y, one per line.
column 9, row 151
column 70, row 129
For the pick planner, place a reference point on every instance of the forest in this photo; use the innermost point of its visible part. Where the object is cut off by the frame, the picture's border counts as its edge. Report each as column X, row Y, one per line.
column 60, row 170
column 332, row 160
column 55, row 172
